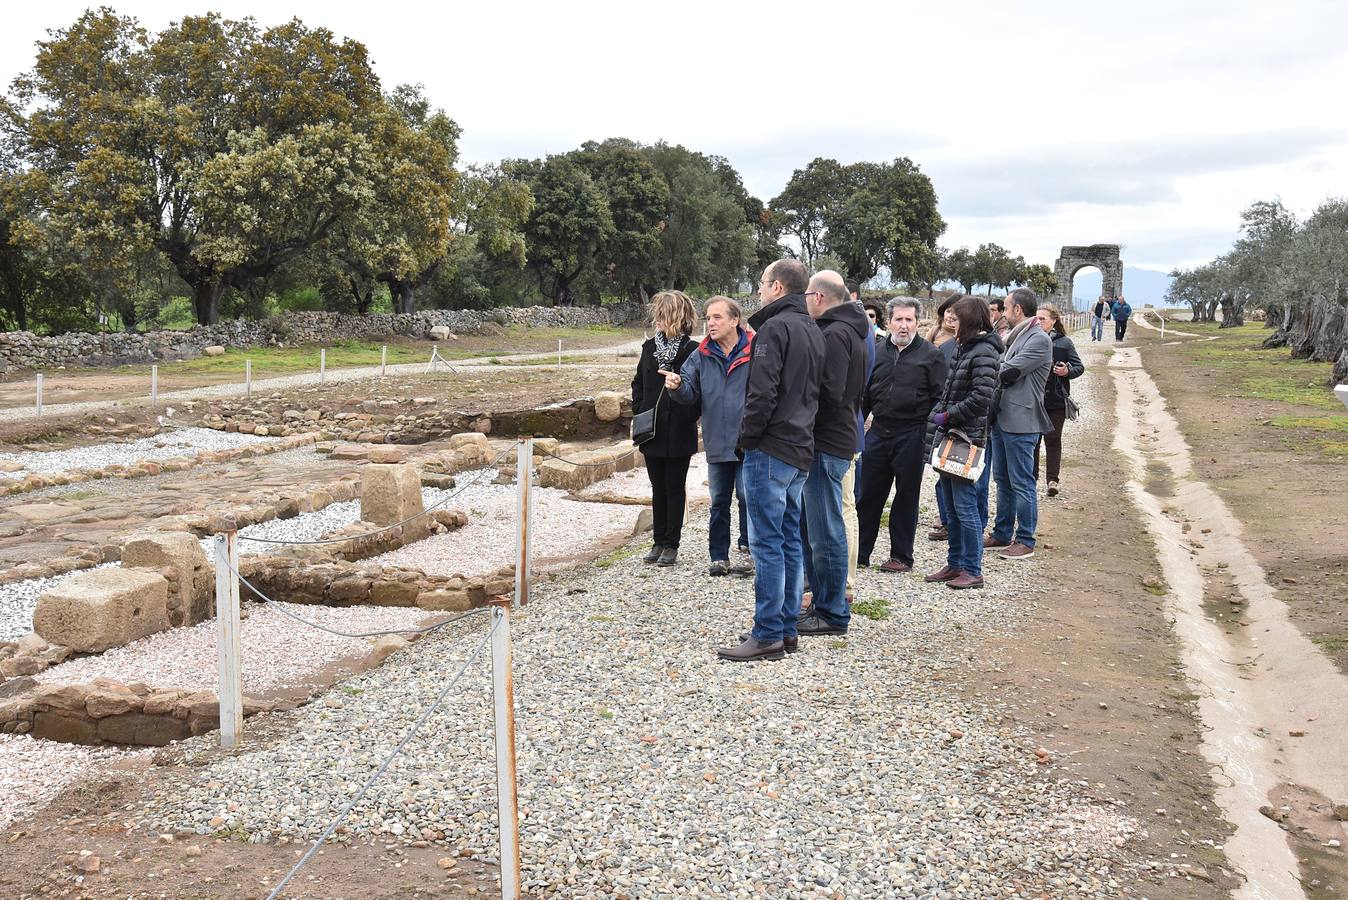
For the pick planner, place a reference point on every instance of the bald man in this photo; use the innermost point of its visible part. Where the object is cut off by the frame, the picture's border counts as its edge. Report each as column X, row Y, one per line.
column 846, row 332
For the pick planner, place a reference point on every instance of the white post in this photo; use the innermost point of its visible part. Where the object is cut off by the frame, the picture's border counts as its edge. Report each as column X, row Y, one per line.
column 383, row 360
column 248, row 379
column 524, row 477
column 39, row 393
column 322, row 365
column 503, row 702
column 227, row 638
column 559, row 353
column 1341, row 391
column 154, row 385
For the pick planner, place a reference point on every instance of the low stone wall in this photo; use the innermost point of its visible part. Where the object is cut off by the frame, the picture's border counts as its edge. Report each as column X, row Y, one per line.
column 23, row 349
column 582, row 468
column 338, row 582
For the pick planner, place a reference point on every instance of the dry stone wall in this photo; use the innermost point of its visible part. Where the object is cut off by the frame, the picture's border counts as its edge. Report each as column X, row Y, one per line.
column 23, row 349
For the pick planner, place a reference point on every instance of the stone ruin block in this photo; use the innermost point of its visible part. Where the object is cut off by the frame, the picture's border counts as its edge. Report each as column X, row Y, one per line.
column 392, row 493
column 470, row 449
column 191, row 598
column 105, row 608
column 608, row 406
column 598, row 465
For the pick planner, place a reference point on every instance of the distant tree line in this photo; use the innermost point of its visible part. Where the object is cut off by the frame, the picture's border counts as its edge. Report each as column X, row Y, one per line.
column 1295, row 271
column 219, row 169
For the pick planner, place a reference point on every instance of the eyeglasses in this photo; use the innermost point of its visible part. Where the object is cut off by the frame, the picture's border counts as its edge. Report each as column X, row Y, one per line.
column 814, row 293
column 767, row 281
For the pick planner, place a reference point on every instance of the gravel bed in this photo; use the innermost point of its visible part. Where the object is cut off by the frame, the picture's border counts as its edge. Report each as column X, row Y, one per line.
column 563, row 527
column 635, row 484
column 648, row 768
column 176, row 442
column 277, row 650
column 18, row 600
column 33, row 772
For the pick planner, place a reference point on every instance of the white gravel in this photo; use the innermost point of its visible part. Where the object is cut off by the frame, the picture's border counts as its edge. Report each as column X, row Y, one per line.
column 18, row 599
column 33, row 772
column 177, row 442
column 635, row 484
column 277, row 651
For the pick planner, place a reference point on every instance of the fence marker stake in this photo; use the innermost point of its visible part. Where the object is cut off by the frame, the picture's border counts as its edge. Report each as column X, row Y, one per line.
column 154, row 385
column 524, row 477
column 39, row 393
column 227, row 638
column 322, row 365
column 383, row 360
column 248, row 378
column 559, row 353
column 503, row 701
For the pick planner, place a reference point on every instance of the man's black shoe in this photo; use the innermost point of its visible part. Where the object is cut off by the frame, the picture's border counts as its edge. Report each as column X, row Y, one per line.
column 668, row 556
column 752, row 650
column 653, row 555
column 813, row 624
column 790, row 644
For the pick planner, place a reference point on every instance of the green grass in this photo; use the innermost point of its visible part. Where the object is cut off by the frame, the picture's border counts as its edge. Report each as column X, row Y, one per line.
column 1259, row 373
column 618, row 556
column 1331, row 643
column 877, row 609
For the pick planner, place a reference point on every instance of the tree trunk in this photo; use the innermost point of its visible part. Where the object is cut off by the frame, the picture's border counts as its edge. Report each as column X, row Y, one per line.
column 1233, row 310
column 405, row 301
column 206, row 299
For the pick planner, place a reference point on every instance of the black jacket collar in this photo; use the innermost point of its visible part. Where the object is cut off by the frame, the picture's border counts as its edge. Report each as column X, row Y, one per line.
column 792, row 302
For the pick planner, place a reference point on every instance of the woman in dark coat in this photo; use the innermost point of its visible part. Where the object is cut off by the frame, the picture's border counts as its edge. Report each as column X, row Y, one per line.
column 1066, row 366
column 669, row 452
column 964, row 406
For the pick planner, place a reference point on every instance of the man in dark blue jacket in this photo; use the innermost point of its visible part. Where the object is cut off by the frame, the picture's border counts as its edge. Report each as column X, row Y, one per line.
column 715, row 375
column 777, row 437
column 1120, row 312
column 908, row 379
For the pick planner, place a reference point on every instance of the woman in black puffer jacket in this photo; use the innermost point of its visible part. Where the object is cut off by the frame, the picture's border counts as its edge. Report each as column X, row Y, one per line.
column 964, row 406
column 1066, row 366
column 670, row 451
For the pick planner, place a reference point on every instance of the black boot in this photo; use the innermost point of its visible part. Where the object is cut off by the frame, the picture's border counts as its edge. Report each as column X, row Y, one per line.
column 668, row 556
column 653, row 555
column 752, row 650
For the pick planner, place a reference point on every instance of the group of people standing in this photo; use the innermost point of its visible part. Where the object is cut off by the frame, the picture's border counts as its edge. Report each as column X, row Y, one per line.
column 784, row 398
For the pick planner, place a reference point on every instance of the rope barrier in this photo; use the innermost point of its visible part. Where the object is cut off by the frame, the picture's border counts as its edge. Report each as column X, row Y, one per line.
column 412, row 518
column 587, row 465
column 363, row 634
column 388, row 760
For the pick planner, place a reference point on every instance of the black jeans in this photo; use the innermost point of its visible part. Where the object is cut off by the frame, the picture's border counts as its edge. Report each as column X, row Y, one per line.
column 1052, row 444
column 669, row 477
column 1120, row 326
column 889, row 461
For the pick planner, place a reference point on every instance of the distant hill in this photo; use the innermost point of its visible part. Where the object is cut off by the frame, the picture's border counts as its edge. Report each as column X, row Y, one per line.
column 1140, row 286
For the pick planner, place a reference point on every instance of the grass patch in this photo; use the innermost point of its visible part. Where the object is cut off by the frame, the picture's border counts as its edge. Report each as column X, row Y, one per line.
column 606, row 714
column 1319, row 423
column 1331, row 643
column 352, row 691
column 1259, row 373
column 602, row 619
column 617, row 556
column 877, row 609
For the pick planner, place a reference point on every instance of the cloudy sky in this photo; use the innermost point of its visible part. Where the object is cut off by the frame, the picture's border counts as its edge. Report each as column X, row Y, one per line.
column 1149, row 124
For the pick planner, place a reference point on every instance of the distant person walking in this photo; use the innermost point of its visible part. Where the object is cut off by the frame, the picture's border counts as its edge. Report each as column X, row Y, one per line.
column 712, row 379
column 1057, row 390
column 1120, row 311
column 909, row 377
column 964, row 404
column 777, row 437
column 1016, row 422
column 1098, row 315
column 670, row 451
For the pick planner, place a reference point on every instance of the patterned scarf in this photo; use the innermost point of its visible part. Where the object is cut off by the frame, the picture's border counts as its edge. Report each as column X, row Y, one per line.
column 666, row 350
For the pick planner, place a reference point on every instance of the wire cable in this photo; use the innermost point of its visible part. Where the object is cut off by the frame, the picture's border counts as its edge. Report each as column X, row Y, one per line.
column 588, row 465
column 388, row 760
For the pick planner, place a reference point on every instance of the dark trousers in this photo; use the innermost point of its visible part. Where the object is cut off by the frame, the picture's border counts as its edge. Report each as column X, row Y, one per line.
column 669, row 477
column 890, row 461
column 1052, row 444
column 1120, row 327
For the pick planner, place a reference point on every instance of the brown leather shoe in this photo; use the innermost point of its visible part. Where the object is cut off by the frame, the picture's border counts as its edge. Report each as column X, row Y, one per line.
column 964, row 582
column 895, row 565
column 992, row 543
column 1017, row 551
column 939, row 533
column 943, row 574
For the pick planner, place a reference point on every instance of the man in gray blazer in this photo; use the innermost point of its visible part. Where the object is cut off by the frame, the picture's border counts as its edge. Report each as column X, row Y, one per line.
column 1018, row 419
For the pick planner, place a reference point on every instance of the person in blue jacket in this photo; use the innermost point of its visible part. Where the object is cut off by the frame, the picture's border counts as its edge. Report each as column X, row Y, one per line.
column 714, row 376
column 1119, row 311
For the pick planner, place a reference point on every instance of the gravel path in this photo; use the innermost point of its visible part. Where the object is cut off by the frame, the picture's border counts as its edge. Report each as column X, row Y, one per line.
column 647, row 768
column 277, row 650
column 33, row 772
column 177, row 442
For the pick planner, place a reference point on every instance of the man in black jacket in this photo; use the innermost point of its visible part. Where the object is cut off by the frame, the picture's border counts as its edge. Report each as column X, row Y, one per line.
column 846, row 331
column 908, row 379
column 777, row 437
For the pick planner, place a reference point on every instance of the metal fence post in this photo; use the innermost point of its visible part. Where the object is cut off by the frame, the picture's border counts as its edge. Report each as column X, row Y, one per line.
column 383, row 360
column 154, row 385
column 227, row 638
column 322, row 365
column 524, row 478
column 39, row 393
column 248, row 379
column 503, row 702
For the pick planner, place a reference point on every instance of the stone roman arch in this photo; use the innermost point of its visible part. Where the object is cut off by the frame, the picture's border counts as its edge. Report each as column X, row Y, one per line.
column 1104, row 257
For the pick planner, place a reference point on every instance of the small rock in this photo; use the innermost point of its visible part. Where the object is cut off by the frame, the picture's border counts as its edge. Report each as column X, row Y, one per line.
column 193, row 850
column 447, row 862
column 1341, row 811
column 87, row 862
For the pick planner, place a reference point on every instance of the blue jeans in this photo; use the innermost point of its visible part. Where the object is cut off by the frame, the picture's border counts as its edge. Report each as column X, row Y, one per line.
column 964, row 549
column 724, row 483
column 1012, row 460
column 826, row 556
column 773, row 490
column 1097, row 328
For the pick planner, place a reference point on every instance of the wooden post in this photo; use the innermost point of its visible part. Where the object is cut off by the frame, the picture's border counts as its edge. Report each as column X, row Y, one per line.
column 154, row 385
column 322, row 365
column 383, row 360
column 503, row 706
column 524, row 477
column 227, row 648
column 248, row 379
column 559, row 353
column 39, row 393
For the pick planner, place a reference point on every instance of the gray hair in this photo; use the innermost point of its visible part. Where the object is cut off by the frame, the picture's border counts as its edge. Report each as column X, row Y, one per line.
column 903, row 302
